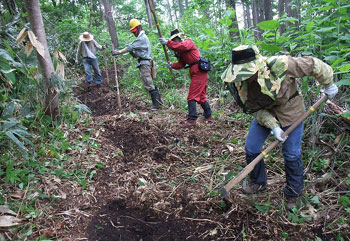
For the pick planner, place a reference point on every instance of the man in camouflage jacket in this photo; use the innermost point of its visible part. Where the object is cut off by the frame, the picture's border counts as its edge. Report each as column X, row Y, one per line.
column 267, row 88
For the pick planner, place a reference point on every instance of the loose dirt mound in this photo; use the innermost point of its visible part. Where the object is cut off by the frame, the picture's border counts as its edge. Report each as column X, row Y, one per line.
column 117, row 221
column 136, row 138
column 102, row 100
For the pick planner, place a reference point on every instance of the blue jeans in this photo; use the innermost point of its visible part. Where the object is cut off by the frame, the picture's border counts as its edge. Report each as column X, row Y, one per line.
column 88, row 62
column 291, row 152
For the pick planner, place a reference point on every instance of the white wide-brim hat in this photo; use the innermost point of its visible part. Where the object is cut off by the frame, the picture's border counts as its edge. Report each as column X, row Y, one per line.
column 86, row 36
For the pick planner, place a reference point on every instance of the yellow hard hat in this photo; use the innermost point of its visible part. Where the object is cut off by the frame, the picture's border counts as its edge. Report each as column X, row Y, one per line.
column 134, row 23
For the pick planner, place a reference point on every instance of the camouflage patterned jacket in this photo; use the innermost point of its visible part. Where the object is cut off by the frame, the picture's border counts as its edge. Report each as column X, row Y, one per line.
column 280, row 84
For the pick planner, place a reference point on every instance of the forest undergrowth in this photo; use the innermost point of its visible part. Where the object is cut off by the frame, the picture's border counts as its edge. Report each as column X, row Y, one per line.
column 132, row 174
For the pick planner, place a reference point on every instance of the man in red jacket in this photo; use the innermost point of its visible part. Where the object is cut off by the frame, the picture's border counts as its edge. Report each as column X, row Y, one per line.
column 187, row 53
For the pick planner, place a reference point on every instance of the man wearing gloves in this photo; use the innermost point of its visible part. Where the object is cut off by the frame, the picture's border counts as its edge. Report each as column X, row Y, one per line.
column 141, row 49
column 87, row 48
column 188, row 53
column 267, row 88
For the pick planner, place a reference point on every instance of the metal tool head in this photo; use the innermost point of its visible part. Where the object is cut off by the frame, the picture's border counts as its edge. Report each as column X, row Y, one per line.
column 225, row 194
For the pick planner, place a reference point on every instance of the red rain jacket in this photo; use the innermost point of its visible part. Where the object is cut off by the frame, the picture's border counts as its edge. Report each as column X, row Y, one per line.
column 189, row 54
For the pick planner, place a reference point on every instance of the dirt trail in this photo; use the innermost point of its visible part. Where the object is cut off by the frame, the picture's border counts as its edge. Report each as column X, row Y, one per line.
column 159, row 182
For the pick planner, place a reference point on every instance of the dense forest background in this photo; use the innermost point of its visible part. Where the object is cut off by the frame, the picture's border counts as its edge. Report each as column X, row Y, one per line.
column 38, row 72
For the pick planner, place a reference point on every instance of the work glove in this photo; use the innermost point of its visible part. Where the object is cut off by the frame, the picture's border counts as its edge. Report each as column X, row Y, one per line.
column 331, row 91
column 163, row 41
column 103, row 46
column 170, row 65
column 115, row 52
column 277, row 132
column 75, row 61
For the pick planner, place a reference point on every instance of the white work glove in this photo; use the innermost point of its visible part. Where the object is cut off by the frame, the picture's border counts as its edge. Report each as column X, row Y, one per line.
column 170, row 65
column 115, row 52
column 331, row 91
column 277, row 132
column 163, row 41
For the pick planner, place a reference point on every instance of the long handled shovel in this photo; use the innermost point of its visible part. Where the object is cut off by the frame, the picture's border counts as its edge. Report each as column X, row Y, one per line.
column 159, row 32
column 116, row 80
column 249, row 168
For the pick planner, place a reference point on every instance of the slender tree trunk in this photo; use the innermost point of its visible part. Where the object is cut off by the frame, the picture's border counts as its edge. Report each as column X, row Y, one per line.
column 255, row 12
column 174, row 9
column 148, row 12
column 170, row 15
column 281, row 10
column 101, row 11
column 268, row 9
column 291, row 11
column 186, row 4
column 37, row 25
column 54, row 3
column 249, row 19
column 181, row 8
column 110, row 22
column 261, row 15
column 232, row 4
column 91, row 14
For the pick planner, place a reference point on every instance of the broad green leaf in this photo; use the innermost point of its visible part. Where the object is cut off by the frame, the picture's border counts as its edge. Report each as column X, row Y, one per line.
column 22, row 148
column 269, row 25
column 345, row 67
column 270, row 47
column 330, row 1
column 209, row 32
column 11, row 122
column 326, row 8
column 8, row 110
column 338, row 61
column 343, row 82
column 346, row 114
column 326, row 29
column 309, row 25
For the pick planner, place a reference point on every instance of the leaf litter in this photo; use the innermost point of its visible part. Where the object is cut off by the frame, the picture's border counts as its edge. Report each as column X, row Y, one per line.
column 155, row 181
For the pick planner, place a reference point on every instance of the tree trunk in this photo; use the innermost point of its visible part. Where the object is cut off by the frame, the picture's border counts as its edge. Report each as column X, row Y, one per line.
column 181, row 8
column 232, row 4
column 148, row 12
column 268, row 9
column 54, row 3
column 246, row 14
column 170, row 15
column 110, row 22
column 249, row 19
column 255, row 12
column 261, row 15
column 37, row 25
column 174, row 9
column 91, row 14
column 281, row 10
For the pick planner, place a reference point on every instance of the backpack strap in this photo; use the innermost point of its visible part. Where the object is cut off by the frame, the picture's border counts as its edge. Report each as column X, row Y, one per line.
column 189, row 66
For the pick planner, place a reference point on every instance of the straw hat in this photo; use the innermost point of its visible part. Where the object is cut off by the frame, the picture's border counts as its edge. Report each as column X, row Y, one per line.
column 86, row 37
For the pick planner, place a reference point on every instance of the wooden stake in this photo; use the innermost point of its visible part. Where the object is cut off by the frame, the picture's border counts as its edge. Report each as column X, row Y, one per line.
column 116, row 80
column 106, row 66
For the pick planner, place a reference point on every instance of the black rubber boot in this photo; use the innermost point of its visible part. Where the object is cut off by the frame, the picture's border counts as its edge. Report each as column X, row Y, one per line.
column 206, row 107
column 158, row 96
column 155, row 99
column 192, row 110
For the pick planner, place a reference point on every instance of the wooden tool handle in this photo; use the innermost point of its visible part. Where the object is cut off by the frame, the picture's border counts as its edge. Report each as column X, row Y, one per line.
column 249, row 168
